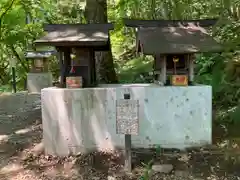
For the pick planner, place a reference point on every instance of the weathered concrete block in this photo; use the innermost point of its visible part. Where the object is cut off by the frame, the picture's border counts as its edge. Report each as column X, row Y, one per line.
column 79, row 120
column 38, row 81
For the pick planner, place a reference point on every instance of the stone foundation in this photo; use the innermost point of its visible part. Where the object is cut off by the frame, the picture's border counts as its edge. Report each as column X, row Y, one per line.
column 79, row 120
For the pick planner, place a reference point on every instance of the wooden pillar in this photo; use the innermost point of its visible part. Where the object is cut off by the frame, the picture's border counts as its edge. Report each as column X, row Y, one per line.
column 163, row 75
column 160, row 68
column 64, row 61
column 93, row 68
column 84, row 62
column 155, row 69
column 191, row 68
column 60, row 59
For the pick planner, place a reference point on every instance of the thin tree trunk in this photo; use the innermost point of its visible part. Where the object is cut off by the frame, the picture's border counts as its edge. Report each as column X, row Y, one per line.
column 6, row 9
column 96, row 12
column 18, row 57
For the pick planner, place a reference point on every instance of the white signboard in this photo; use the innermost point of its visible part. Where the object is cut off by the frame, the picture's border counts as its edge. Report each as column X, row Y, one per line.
column 127, row 116
column 12, row 62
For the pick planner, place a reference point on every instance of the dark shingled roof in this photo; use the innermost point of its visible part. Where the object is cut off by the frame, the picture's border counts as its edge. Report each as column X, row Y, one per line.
column 171, row 23
column 76, row 35
column 174, row 40
column 39, row 54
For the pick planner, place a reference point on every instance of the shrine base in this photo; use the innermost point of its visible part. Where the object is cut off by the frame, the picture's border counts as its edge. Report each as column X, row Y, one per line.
column 82, row 120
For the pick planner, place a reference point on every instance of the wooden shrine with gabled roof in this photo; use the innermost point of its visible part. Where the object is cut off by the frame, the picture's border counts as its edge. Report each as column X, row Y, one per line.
column 76, row 44
column 173, row 43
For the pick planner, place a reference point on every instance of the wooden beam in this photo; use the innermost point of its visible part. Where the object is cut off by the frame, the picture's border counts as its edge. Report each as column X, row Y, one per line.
column 65, row 27
column 165, row 23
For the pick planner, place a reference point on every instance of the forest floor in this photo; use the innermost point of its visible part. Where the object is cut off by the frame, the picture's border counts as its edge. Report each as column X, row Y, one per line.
column 22, row 157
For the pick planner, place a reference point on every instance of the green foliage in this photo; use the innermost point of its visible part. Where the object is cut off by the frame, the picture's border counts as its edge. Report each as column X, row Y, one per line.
column 148, row 166
column 131, row 71
column 5, row 88
column 235, row 114
column 147, row 170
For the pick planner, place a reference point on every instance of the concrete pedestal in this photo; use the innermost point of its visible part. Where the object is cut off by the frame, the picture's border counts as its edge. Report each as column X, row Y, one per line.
column 38, row 81
column 80, row 120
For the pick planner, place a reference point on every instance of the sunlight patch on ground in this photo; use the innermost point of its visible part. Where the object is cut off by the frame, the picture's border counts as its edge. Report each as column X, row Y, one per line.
column 23, row 175
column 37, row 148
column 52, row 172
column 3, row 138
column 29, row 129
column 32, row 150
column 11, row 168
column 23, row 131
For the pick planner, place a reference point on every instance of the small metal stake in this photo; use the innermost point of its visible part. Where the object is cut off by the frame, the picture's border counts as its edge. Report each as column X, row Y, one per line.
column 14, row 85
column 128, row 151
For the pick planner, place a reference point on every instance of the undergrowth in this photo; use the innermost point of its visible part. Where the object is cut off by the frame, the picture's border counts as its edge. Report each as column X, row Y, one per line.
column 148, row 166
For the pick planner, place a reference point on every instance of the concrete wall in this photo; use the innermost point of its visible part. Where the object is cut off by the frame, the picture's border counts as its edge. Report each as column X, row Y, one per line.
column 38, row 81
column 78, row 120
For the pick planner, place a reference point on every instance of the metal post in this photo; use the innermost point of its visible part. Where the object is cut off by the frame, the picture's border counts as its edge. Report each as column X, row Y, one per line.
column 128, row 152
column 14, row 80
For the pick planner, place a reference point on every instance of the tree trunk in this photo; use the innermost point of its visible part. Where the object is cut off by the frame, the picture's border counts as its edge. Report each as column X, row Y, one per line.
column 96, row 12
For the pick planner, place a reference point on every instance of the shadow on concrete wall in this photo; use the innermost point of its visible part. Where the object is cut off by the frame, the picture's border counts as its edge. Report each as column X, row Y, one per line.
column 78, row 122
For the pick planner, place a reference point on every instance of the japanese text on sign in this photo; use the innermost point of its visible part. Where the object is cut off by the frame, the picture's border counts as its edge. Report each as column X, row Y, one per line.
column 127, row 116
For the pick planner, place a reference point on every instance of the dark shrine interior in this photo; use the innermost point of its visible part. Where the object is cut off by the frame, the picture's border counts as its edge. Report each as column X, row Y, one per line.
column 181, row 64
column 84, row 67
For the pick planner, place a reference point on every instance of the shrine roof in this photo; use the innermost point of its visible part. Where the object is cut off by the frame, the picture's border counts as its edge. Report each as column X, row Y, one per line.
column 76, row 35
column 169, row 23
column 39, row 54
column 174, row 37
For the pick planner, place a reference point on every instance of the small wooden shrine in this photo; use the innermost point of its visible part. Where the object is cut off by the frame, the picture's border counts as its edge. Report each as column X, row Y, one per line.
column 76, row 45
column 39, row 76
column 173, row 45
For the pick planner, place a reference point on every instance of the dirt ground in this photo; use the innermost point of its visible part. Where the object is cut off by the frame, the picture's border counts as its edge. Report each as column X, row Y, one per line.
column 22, row 157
